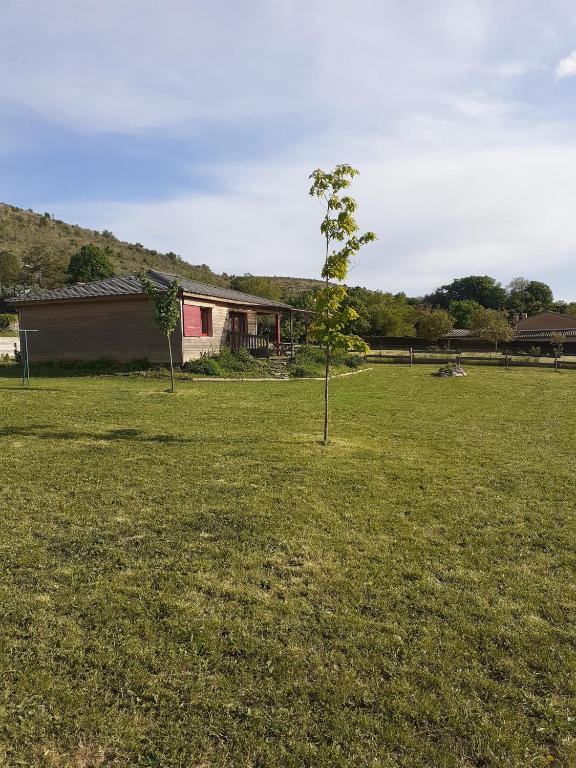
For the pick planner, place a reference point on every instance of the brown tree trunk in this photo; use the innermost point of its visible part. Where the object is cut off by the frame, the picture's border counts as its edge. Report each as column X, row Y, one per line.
column 171, row 365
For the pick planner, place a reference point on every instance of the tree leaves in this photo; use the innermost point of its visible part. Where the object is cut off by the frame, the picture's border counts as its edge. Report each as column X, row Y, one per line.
column 338, row 225
column 166, row 304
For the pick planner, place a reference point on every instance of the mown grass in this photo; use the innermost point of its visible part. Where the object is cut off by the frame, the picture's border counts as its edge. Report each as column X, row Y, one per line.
column 191, row 580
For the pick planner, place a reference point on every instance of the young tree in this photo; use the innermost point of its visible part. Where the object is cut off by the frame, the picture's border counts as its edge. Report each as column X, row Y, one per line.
column 492, row 325
column 434, row 323
column 557, row 340
column 166, row 312
column 90, row 263
column 338, row 226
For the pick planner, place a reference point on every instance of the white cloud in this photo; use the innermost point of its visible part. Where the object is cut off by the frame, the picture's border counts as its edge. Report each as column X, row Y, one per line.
column 438, row 213
column 567, row 67
column 441, row 105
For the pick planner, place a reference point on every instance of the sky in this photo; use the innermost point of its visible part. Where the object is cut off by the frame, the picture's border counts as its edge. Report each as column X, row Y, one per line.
column 193, row 127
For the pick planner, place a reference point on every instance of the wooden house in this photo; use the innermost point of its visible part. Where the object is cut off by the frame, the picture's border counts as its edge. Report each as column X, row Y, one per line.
column 114, row 319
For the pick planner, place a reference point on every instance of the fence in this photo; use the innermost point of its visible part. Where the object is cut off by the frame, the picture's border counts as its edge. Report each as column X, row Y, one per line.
column 464, row 344
column 504, row 359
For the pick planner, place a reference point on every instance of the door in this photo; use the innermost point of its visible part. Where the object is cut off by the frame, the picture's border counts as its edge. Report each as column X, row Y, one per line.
column 238, row 322
column 238, row 328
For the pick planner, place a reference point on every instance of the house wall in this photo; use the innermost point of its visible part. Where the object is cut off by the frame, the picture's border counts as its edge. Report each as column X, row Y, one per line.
column 195, row 346
column 546, row 321
column 113, row 328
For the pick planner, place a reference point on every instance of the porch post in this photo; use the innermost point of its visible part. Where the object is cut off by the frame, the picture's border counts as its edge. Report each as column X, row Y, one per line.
column 278, row 339
column 291, row 338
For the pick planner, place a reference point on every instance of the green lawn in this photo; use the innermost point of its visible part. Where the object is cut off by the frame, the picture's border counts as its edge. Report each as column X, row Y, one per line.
column 193, row 581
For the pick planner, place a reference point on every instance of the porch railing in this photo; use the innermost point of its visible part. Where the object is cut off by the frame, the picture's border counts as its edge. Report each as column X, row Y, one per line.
column 251, row 341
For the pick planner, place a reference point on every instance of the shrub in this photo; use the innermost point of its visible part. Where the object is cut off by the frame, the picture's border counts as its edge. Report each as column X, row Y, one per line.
column 240, row 360
column 7, row 321
column 534, row 351
column 203, row 366
column 354, row 361
column 303, row 370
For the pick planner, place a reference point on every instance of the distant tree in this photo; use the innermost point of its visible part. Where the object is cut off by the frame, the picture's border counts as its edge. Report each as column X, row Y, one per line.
column 492, row 325
column 90, row 263
column 256, row 286
column 557, row 343
column 433, row 323
column 480, row 288
column 44, row 267
column 10, row 268
column 166, row 312
column 391, row 315
column 571, row 309
column 462, row 311
column 338, row 226
column 530, row 296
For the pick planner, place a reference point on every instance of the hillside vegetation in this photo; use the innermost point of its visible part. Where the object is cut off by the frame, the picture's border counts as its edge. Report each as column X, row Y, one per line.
column 44, row 246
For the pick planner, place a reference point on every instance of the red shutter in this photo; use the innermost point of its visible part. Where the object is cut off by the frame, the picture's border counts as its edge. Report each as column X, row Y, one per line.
column 192, row 320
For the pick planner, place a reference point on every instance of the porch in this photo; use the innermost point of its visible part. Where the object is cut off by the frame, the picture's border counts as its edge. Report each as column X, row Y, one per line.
column 266, row 341
column 259, row 344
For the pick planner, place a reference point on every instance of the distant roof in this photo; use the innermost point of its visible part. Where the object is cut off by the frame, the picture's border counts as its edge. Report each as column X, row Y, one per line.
column 119, row 286
column 457, row 333
column 534, row 333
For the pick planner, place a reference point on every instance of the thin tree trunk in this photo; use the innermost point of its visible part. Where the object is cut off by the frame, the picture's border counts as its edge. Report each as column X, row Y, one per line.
column 327, row 362
column 171, row 365
column 326, row 380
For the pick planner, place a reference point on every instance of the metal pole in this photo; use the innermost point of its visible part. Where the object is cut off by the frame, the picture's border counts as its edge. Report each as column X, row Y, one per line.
column 24, row 355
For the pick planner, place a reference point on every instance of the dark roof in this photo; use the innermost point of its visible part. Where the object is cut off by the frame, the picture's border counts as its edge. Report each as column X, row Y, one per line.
column 202, row 289
column 457, row 333
column 534, row 333
column 119, row 286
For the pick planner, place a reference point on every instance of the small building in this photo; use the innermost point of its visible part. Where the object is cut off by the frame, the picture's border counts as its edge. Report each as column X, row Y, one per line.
column 114, row 319
column 542, row 326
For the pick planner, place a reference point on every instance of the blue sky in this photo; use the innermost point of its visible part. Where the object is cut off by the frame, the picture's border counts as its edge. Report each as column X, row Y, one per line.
column 192, row 127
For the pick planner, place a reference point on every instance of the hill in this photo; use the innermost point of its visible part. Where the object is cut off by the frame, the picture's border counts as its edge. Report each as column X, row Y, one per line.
column 44, row 246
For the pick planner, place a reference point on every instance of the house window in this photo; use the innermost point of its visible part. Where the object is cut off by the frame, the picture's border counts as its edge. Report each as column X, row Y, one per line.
column 206, row 321
column 197, row 321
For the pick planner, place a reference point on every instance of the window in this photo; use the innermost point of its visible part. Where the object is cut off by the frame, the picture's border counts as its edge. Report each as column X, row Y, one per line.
column 197, row 321
column 206, row 321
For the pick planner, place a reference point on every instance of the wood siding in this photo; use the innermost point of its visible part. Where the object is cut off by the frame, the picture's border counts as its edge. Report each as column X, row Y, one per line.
column 113, row 328
column 195, row 346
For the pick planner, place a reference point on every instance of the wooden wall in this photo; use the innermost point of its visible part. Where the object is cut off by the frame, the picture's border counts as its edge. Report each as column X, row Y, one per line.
column 113, row 328
column 195, row 346
column 118, row 328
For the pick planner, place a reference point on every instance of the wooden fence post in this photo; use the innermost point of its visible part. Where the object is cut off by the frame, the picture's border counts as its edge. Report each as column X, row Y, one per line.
column 411, row 356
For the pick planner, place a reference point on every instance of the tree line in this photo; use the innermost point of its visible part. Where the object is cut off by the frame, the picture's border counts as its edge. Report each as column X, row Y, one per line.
column 467, row 302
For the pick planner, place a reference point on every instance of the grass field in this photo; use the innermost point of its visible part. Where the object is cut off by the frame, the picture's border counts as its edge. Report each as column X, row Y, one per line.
column 192, row 581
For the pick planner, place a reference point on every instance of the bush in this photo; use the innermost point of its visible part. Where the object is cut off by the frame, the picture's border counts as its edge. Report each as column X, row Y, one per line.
column 240, row 360
column 7, row 321
column 354, row 361
column 534, row 351
column 102, row 367
column 309, row 362
column 203, row 366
